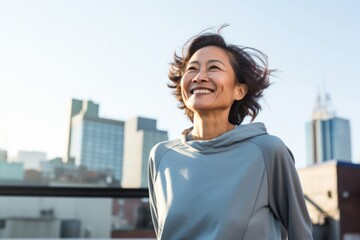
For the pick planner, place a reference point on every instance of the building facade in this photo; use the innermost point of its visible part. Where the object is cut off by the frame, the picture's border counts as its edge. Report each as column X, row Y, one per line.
column 11, row 171
column 31, row 159
column 332, row 193
column 95, row 142
column 141, row 134
column 327, row 136
column 76, row 107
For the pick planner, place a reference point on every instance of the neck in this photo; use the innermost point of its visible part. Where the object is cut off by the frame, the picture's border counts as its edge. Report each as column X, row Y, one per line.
column 206, row 128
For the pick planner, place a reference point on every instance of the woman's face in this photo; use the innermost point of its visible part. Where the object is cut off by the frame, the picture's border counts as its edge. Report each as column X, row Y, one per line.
column 208, row 83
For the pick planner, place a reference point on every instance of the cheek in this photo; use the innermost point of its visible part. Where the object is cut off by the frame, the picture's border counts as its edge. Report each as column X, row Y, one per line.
column 184, row 85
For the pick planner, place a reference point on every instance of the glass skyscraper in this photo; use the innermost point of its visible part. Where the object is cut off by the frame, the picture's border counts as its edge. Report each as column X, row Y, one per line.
column 94, row 142
column 328, row 136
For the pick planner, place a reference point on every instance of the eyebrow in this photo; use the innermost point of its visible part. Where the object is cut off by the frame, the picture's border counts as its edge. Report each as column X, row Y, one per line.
column 210, row 61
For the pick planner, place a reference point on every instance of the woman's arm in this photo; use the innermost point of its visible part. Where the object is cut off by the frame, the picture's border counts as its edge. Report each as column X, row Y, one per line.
column 152, row 196
column 286, row 197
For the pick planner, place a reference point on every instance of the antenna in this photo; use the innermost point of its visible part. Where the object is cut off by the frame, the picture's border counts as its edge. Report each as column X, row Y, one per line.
column 323, row 105
column 318, row 109
column 329, row 105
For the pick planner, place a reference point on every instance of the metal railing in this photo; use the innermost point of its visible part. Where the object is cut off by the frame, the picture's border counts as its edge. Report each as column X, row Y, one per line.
column 92, row 192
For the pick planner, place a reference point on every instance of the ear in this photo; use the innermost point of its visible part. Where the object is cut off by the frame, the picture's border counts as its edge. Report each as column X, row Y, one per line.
column 240, row 91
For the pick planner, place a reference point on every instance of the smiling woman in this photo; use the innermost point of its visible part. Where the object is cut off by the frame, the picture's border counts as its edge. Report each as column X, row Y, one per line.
column 240, row 182
column 209, row 87
column 231, row 59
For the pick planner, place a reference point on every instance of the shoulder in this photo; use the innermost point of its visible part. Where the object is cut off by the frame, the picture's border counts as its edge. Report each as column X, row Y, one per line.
column 160, row 149
column 269, row 143
column 273, row 149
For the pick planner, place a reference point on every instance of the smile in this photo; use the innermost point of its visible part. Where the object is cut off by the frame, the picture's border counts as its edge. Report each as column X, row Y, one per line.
column 201, row 91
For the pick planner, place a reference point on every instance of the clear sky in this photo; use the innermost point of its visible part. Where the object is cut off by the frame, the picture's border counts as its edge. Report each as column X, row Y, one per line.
column 117, row 53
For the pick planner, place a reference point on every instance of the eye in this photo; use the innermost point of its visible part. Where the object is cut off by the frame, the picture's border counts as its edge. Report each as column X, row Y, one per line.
column 191, row 68
column 214, row 67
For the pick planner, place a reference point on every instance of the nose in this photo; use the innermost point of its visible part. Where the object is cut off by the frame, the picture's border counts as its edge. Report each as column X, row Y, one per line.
column 201, row 76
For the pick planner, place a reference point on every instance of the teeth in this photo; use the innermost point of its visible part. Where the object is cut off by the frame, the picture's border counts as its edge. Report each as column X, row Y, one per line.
column 201, row 91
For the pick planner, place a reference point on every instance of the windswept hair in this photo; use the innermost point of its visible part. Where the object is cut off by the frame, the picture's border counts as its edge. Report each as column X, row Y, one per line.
column 250, row 67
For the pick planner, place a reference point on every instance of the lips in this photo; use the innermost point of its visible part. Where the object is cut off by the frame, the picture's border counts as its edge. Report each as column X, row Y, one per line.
column 201, row 91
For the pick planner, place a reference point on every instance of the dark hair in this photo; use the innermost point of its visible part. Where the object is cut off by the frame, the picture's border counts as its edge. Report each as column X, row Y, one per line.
column 250, row 67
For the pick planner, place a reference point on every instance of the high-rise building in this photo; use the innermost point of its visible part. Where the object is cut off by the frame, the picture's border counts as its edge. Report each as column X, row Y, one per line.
column 95, row 142
column 76, row 107
column 328, row 136
column 141, row 135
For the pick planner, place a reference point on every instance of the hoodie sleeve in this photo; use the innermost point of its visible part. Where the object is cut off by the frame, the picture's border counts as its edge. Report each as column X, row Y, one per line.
column 286, row 197
column 152, row 196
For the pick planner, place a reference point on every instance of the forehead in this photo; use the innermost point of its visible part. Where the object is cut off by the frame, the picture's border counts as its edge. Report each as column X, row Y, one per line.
column 210, row 53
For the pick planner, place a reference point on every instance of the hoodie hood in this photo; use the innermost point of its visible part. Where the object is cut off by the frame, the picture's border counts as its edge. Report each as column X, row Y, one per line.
column 238, row 134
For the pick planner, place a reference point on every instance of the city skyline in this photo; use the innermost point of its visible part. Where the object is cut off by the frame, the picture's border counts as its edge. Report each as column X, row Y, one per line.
column 100, row 152
column 118, row 54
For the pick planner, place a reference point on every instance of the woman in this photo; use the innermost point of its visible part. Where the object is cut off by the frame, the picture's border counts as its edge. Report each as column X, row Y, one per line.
column 223, row 179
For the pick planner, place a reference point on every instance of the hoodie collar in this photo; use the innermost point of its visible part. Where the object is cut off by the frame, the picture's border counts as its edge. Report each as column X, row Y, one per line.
column 238, row 134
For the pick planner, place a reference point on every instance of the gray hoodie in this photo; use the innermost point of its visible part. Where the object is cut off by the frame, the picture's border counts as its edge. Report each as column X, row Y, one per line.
column 240, row 185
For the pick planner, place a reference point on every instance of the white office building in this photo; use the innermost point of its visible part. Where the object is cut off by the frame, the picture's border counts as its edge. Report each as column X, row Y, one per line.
column 141, row 135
